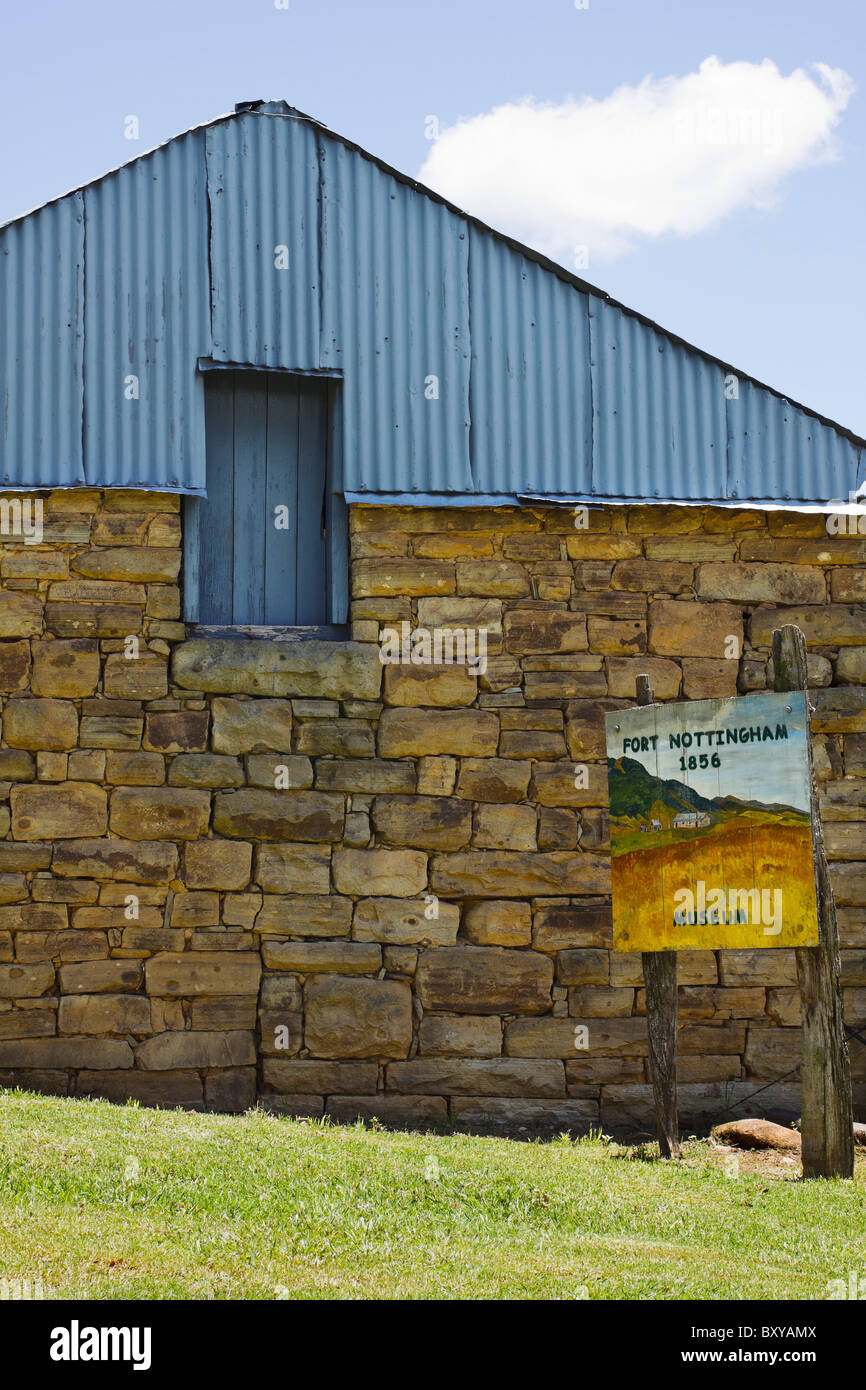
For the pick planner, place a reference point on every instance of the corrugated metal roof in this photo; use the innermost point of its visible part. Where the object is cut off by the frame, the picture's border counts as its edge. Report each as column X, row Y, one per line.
column 146, row 317
column 263, row 182
column 471, row 366
column 42, row 345
column 395, row 320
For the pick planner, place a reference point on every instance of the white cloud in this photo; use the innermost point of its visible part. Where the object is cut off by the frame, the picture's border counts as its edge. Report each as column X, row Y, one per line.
column 674, row 155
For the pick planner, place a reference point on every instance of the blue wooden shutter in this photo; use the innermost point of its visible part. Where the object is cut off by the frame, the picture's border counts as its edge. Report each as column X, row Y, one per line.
column 267, row 448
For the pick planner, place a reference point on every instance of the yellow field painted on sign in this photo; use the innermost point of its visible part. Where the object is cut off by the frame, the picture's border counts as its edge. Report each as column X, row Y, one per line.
column 770, row 854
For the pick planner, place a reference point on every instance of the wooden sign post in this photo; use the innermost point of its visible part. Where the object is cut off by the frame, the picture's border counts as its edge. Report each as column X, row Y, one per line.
column 827, row 1125
column 660, row 977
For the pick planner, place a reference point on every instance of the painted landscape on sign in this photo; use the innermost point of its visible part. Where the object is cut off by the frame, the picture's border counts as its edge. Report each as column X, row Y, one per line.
column 710, row 821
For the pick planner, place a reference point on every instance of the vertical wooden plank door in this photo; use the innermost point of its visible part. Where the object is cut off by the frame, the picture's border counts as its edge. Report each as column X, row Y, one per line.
column 262, row 545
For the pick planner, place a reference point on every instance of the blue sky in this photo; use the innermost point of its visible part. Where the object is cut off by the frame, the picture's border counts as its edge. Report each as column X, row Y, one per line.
column 773, row 283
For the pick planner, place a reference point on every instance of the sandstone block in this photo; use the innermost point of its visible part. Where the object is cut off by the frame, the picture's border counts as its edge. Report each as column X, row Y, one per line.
column 178, row 731
column 20, row 615
column 311, row 915
column 557, row 784
column 587, row 965
column 292, row 868
column 145, row 678
column 493, row 779
column 557, row 828
column 168, row 1051
column 278, row 771
column 92, row 619
column 460, row 1035
column 18, row 981
column 484, row 980
column 338, row 738
column 762, row 583
column 391, row 575
column 380, row 872
column 27, row 1023
column 217, row 864
column 310, row 1078
column 824, row 625
column 92, row 1053
column 203, row 972
column 110, row 731
column 530, row 630
column 357, row 1017
column 138, row 564
column 444, row 687
column 496, row 1115
column 318, row 957
column 163, row 813
column 126, row 860
column 206, row 771
column 41, row 812
column 412, row 733
column 14, row 666
column 396, row 922
column 424, row 822
column 495, row 1076
column 104, row 1013
column 708, row 678
column 278, row 815
column 498, row 924
column 510, row 874
column 622, row 673
column 492, row 578
column 212, row 1015
column 399, row 1112
column 40, row 724
column 750, row 968
column 564, row 927
column 368, row 776
column 328, row 670
column 556, row 1037
column 100, row 976
column 246, row 726
column 231, row 1091
column 503, row 827
column 436, row 776
column 451, row 613
column 678, row 627
column 16, row 765
column 33, row 917
column 851, row 666
column 840, row 710
column 652, row 576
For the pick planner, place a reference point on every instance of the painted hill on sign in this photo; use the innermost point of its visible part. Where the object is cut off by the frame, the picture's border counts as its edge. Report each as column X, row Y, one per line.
column 635, row 792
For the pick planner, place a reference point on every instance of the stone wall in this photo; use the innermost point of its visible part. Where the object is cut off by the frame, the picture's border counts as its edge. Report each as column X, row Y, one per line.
column 237, row 868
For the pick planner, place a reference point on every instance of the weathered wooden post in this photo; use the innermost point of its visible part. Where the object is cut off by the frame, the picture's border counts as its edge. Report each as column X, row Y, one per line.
column 827, row 1120
column 660, row 976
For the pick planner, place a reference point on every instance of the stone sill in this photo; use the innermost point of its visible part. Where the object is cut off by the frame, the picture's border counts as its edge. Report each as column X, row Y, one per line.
column 230, row 662
column 326, row 632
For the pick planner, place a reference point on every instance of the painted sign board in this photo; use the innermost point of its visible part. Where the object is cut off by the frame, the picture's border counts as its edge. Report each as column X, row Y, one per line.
column 710, row 824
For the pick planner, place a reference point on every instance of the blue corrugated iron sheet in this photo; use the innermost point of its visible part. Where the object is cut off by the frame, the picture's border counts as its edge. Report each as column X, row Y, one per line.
column 777, row 450
column 263, row 193
column 395, row 321
column 530, row 392
column 42, row 345
column 470, row 366
column 146, row 317
column 658, row 419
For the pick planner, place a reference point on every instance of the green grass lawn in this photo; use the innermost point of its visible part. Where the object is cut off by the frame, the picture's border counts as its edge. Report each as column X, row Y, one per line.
column 107, row 1201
